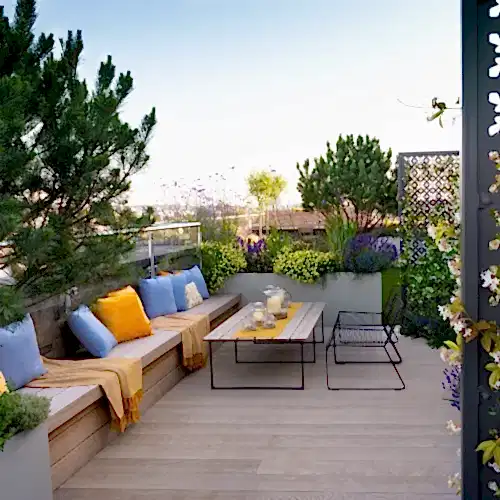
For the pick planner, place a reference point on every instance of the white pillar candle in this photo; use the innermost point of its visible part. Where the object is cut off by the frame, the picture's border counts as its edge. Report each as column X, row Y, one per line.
column 274, row 304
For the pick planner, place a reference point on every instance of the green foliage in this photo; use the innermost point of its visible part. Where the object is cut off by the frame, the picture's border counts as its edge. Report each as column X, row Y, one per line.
column 353, row 180
column 222, row 230
column 339, row 232
column 266, row 188
column 277, row 241
column 20, row 412
column 429, row 284
column 306, row 266
column 219, row 262
column 66, row 163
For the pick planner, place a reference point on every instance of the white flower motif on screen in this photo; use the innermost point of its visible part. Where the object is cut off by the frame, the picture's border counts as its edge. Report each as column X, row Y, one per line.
column 494, row 39
column 494, row 71
column 468, row 332
column 494, row 156
column 495, row 10
column 496, row 356
column 431, row 231
column 494, row 300
column 494, row 98
column 493, row 486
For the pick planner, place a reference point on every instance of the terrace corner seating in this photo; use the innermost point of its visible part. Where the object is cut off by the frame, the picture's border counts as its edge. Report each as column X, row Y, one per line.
column 79, row 420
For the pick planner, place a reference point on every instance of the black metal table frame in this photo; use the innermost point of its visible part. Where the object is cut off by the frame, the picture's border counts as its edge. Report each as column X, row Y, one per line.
column 375, row 344
column 256, row 341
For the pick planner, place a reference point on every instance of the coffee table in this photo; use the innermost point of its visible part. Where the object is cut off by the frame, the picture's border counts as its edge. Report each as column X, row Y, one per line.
column 298, row 330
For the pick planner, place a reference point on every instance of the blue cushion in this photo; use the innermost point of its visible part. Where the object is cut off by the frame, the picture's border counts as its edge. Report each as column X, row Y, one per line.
column 92, row 334
column 20, row 360
column 199, row 281
column 157, row 295
column 179, row 282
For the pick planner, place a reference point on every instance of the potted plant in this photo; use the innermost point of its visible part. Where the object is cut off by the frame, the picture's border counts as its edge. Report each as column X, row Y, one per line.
column 24, row 445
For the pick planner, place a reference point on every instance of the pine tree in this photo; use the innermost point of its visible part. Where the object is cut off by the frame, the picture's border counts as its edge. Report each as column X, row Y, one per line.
column 66, row 161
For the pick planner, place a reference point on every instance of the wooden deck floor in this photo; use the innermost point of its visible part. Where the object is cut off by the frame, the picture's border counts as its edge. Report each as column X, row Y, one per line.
column 268, row 445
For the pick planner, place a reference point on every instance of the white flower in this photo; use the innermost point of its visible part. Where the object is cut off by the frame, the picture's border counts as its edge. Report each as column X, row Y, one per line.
column 494, row 244
column 443, row 245
column 444, row 354
column 494, row 300
column 454, row 266
column 496, row 387
column 493, row 156
column 431, row 231
column 467, row 332
column 445, row 312
column 490, row 279
column 493, row 188
column 494, row 466
column 493, row 486
column 453, row 428
column 458, row 217
column 496, row 356
column 454, row 481
column 459, row 326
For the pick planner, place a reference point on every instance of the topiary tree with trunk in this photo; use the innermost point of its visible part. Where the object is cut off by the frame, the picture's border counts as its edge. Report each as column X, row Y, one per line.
column 353, row 180
column 66, row 162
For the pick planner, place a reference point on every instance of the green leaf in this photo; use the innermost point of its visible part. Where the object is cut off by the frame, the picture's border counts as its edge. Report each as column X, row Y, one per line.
column 488, row 448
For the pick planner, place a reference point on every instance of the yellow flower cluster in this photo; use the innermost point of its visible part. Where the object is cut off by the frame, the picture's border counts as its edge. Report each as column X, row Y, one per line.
column 3, row 385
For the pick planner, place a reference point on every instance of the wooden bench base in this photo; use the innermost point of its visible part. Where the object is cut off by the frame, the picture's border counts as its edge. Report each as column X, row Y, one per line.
column 79, row 421
column 79, row 439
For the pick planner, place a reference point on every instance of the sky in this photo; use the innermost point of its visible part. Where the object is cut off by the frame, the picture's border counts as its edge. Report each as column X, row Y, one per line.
column 258, row 84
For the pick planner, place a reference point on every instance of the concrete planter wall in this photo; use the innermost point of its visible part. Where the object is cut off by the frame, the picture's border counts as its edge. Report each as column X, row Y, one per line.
column 25, row 466
column 341, row 291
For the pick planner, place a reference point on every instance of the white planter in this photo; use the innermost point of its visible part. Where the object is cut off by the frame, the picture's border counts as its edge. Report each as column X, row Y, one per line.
column 25, row 466
column 340, row 292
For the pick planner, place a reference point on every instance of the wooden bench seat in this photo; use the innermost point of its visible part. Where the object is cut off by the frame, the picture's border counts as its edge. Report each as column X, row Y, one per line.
column 79, row 416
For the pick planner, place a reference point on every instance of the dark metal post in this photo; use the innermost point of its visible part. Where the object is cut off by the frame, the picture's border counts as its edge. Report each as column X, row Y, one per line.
column 478, row 56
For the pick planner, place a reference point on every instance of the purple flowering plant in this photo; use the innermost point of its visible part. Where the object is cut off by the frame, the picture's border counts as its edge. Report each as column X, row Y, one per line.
column 451, row 384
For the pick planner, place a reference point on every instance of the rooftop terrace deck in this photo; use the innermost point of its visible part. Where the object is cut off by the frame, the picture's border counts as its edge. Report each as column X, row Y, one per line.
column 268, row 445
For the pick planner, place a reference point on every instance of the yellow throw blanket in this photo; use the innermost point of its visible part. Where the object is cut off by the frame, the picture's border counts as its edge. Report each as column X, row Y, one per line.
column 193, row 328
column 119, row 378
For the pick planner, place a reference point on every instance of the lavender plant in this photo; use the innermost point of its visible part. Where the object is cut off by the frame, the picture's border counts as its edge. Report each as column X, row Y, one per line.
column 451, row 384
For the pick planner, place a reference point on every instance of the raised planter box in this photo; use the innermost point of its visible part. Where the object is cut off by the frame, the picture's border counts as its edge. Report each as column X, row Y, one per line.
column 25, row 466
column 341, row 291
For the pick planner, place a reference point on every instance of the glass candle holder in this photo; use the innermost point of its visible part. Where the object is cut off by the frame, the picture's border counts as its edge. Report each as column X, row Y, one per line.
column 258, row 312
column 275, row 298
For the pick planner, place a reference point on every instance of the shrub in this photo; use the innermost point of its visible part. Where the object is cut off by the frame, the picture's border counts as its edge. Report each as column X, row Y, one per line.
column 257, row 256
column 20, row 412
column 219, row 262
column 368, row 254
column 429, row 284
column 352, row 179
column 306, row 266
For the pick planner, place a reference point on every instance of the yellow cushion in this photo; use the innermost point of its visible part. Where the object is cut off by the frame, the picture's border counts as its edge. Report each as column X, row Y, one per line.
column 123, row 314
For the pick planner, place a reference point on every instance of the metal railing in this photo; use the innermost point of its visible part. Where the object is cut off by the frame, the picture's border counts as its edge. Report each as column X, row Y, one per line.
column 159, row 240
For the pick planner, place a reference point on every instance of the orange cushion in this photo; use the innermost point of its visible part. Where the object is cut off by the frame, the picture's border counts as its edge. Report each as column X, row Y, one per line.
column 123, row 314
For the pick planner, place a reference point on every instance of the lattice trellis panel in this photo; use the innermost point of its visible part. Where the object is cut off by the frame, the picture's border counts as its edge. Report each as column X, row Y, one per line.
column 428, row 191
